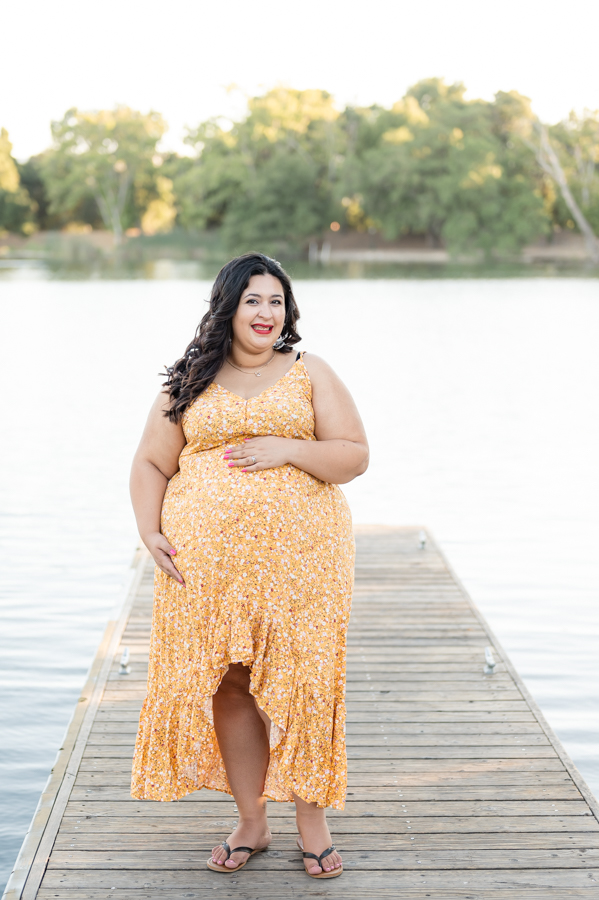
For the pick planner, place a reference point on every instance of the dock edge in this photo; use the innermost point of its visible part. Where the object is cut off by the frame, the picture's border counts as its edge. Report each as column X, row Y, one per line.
column 30, row 865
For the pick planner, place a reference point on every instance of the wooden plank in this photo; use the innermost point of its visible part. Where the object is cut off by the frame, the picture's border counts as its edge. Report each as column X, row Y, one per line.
column 344, row 822
column 383, row 750
column 114, row 713
column 92, row 839
column 479, row 731
column 99, row 737
column 185, row 860
column 395, row 689
column 524, row 791
column 64, row 880
column 258, row 889
column 397, row 807
column 405, row 780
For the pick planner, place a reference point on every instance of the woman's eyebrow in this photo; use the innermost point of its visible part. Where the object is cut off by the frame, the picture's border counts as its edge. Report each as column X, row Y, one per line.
column 253, row 294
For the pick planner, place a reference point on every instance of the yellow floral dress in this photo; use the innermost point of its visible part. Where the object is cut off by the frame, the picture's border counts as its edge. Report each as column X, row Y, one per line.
column 267, row 558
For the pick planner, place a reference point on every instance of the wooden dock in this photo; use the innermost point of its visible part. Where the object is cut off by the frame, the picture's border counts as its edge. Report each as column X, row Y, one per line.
column 457, row 786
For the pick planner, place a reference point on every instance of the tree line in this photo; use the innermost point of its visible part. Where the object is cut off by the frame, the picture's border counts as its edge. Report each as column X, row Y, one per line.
column 467, row 174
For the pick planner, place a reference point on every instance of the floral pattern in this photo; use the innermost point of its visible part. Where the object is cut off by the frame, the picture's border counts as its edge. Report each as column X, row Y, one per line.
column 267, row 558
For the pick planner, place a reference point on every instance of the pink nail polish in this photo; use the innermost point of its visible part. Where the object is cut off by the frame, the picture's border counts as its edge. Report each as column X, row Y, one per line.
column 244, row 470
column 230, row 464
column 172, row 552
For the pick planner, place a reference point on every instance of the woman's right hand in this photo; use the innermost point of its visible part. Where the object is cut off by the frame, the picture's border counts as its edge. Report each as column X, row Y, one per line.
column 163, row 553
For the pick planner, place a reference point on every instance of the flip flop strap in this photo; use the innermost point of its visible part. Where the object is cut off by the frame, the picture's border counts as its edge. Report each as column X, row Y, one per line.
column 318, row 859
column 241, row 849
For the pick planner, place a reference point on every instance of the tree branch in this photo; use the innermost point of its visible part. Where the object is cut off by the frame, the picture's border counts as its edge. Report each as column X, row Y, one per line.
column 548, row 160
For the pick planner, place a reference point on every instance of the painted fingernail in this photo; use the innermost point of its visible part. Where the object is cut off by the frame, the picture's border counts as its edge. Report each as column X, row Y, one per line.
column 172, row 552
column 244, row 470
column 230, row 464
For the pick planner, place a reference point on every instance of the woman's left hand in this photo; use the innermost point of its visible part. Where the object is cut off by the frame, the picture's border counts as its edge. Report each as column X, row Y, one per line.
column 270, row 452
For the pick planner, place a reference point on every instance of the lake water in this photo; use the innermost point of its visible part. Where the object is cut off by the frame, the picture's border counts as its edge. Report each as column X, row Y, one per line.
column 480, row 400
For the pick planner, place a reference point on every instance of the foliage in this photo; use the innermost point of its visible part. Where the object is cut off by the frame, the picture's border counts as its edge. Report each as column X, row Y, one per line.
column 17, row 209
column 160, row 213
column 107, row 157
column 465, row 174
column 577, row 140
column 434, row 164
column 267, row 180
column 446, row 167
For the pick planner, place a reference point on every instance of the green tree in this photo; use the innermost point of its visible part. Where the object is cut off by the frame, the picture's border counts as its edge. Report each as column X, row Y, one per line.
column 221, row 171
column 267, row 178
column 17, row 210
column 108, row 157
column 280, row 208
column 444, row 167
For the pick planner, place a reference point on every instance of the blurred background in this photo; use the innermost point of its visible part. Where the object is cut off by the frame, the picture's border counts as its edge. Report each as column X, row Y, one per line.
column 455, row 138
column 429, row 175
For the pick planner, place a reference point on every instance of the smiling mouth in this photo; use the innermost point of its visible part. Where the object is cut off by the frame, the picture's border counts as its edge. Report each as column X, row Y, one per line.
column 263, row 329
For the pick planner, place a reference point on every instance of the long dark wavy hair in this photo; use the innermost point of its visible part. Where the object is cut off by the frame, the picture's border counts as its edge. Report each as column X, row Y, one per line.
column 206, row 354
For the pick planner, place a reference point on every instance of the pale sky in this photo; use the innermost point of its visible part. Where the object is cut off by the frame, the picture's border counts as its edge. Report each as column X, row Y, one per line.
column 179, row 56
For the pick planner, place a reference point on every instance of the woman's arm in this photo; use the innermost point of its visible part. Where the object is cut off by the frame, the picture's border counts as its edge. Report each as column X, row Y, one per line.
column 340, row 452
column 155, row 462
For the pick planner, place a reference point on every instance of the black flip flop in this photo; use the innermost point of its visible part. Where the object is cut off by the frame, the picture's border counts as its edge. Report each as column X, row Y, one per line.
column 223, row 868
column 334, row 873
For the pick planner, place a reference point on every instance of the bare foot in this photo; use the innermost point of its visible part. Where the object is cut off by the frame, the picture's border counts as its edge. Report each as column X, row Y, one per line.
column 247, row 834
column 315, row 837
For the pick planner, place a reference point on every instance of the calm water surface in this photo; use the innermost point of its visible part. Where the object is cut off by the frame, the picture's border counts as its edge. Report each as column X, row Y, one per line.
column 480, row 402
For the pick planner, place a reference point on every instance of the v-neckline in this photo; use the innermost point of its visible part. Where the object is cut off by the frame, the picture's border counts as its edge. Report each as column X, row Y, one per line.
column 255, row 397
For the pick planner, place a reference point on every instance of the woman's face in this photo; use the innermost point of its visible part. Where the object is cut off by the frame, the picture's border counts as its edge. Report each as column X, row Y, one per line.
column 260, row 315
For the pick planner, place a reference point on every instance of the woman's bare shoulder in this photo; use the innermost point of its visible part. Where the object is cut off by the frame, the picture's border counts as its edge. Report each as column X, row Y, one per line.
column 318, row 368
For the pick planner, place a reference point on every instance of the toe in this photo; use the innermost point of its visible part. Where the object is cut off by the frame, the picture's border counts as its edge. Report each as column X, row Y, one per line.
column 333, row 861
column 314, row 869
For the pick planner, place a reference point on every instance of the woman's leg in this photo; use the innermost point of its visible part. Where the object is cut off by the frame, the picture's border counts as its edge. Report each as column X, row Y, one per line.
column 243, row 743
column 315, row 834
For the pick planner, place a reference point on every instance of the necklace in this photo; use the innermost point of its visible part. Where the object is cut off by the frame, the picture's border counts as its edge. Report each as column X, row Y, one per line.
column 258, row 373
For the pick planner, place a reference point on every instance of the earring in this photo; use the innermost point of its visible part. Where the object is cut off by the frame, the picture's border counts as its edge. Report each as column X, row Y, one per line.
column 279, row 343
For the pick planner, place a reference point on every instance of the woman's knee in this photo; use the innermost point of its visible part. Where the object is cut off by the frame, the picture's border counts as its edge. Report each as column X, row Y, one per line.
column 236, row 680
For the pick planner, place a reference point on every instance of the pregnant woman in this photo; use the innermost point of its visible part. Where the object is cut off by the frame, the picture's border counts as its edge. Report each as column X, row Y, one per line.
column 234, row 487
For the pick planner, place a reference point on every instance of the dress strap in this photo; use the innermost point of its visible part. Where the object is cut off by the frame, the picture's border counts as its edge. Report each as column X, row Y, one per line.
column 300, row 355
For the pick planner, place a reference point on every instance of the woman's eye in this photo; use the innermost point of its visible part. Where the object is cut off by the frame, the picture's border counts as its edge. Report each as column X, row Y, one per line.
column 277, row 302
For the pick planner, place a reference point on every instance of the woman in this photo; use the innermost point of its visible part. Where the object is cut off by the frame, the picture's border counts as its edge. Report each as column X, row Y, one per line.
column 234, row 487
